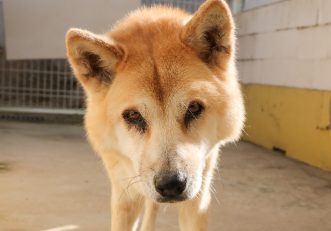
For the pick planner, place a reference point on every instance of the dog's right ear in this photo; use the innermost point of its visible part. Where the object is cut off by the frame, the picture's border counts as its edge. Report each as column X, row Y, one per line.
column 93, row 58
column 211, row 33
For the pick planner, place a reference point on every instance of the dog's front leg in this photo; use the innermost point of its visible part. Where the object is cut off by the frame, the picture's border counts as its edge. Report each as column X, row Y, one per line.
column 194, row 214
column 126, row 201
column 125, row 208
column 148, row 223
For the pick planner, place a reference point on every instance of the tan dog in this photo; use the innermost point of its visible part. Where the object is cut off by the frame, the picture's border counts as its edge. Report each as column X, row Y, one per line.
column 162, row 97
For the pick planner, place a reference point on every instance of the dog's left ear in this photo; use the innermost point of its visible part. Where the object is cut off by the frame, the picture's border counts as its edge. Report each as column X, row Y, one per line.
column 211, row 33
column 93, row 58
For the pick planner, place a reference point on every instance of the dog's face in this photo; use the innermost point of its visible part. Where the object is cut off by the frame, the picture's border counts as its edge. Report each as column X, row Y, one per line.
column 160, row 94
column 168, row 118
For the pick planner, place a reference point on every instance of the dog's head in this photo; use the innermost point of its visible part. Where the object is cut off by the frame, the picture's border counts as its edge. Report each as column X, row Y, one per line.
column 162, row 90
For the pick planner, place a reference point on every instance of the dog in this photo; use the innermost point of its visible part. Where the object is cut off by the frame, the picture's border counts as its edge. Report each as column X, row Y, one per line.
column 162, row 97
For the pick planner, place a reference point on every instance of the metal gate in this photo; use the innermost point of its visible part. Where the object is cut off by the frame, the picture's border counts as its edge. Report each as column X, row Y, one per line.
column 45, row 86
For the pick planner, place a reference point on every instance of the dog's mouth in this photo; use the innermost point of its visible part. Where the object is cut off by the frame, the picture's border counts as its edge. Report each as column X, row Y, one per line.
column 171, row 199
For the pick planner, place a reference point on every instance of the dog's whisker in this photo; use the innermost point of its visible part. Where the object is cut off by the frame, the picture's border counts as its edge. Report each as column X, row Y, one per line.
column 208, row 104
column 203, row 177
column 128, row 188
column 134, row 183
column 146, row 214
column 127, row 178
column 216, row 197
column 190, row 111
column 140, row 200
column 119, row 200
column 245, row 132
column 218, row 171
column 192, row 204
column 132, row 201
column 164, row 209
column 211, row 186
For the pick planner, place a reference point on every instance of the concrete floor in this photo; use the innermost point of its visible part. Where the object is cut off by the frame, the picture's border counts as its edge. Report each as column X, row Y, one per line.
column 50, row 177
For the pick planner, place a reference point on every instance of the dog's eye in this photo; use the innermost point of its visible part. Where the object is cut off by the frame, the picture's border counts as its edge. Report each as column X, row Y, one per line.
column 194, row 107
column 134, row 119
column 194, row 110
column 134, row 115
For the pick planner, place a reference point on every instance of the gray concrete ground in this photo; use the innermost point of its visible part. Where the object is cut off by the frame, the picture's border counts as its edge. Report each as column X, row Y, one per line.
column 50, row 177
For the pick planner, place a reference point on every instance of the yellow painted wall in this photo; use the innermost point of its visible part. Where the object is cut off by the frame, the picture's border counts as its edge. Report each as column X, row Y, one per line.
column 291, row 119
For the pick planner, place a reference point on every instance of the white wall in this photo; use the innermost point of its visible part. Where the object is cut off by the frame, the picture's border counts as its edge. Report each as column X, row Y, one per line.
column 286, row 44
column 250, row 4
column 36, row 29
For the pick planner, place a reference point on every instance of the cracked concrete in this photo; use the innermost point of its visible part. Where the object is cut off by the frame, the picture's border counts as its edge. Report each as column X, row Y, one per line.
column 50, row 177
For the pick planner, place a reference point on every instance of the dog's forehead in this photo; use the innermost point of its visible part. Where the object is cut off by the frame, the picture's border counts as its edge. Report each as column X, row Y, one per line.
column 162, row 71
column 152, row 40
column 167, row 76
column 158, row 65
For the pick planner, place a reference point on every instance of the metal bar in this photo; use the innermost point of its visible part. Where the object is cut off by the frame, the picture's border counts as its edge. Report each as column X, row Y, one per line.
column 35, row 93
column 44, row 84
column 3, row 78
column 58, row 84
column 65, row 85
column 35, row 89
column 31, row 82
column 34, row 71
column 71, row 91
column 38, row 83
column 51, row 84
column 24, row 83
column 10, row 84
column 17, row 77
column 77, row 94
column 43, row 110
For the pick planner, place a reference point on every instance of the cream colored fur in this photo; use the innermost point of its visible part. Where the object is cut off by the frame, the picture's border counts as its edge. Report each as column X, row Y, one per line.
column 156, row 62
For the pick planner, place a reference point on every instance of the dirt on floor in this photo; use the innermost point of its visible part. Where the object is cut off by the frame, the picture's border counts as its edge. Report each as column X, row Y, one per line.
column 51, row 178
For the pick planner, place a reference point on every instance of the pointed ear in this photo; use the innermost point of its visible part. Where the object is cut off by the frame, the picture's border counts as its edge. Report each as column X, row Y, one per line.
column 93, row 58
column 211, row 33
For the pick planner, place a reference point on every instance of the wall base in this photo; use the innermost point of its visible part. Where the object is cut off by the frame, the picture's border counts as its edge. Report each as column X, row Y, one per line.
column 290, row 119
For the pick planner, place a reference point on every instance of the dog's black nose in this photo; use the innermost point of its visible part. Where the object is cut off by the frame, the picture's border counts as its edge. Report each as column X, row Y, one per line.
column 170, row 185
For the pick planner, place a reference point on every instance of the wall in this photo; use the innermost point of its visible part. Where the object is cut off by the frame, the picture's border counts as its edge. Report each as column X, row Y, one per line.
column 250, row 4
column 2, row 29
column 286, row 44
column 36, row 29
column 284, row 61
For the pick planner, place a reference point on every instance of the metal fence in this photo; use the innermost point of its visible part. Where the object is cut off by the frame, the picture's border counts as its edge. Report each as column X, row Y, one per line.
column 38, row 84
column 48, row 86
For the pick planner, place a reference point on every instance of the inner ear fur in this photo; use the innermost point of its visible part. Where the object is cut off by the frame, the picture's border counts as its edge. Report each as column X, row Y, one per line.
column 211, row 32
column 92, row 57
